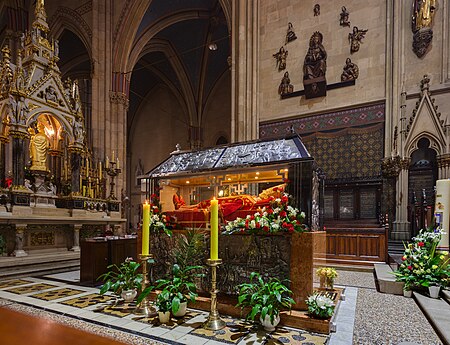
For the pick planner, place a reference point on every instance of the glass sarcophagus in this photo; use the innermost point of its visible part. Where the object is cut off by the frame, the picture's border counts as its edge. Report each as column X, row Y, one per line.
column 242, row 176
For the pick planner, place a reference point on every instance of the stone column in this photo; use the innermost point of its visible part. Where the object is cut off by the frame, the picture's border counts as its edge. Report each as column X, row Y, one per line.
column 244, row 70
column 76, row 237
column 3, row 142
column 20, row 230
column 75, row 165
column 401, row 226
column 18, row 143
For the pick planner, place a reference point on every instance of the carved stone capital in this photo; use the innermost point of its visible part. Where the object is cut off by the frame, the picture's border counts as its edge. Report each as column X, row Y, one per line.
column 119, row 98
column 443, row 160
column 391, row 166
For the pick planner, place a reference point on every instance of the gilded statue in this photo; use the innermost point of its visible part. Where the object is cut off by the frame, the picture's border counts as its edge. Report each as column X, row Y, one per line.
column 39, row 145
column 350, row 72
column 423, row 13
column 315, row 64
column 281, row 57
column 355, row 38
column 422, row 21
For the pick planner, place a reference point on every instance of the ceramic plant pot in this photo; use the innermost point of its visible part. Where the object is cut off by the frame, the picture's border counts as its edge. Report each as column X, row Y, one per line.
column 182, row 311
column 268, row 325
column 434, row 291
column 164, row 316
column 407, row 293
column 128, row 295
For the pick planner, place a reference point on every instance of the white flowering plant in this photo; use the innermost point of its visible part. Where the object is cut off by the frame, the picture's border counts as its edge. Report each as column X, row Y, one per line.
column 421, row 264
column 278, row 216
column 158, row 221
column 320, row 306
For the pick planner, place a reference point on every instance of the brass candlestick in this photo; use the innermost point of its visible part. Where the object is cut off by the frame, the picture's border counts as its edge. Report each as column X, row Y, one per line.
column 145, row 307
column 214, row 321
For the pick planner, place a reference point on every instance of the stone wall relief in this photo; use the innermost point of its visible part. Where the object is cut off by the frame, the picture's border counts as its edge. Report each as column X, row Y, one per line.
column 422, row 22
column 343, row 21
column 290, row 35
column 285, row 85
column 281, row 57
column 316, row 10
column 350, row 71
column 315, row 67
column 355, row 37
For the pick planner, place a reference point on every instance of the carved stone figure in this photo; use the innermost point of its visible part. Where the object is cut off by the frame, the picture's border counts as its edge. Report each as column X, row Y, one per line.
column 78, row 130
column 344, row 17
column 355, row 38
column 422, row 20
column 22, row 111
column 350, row 72
column 290, row 35
column 281, row 58
column 51, row 95
column 39, row 145
column 315, row 64
column 316, row 10
column 285, row 85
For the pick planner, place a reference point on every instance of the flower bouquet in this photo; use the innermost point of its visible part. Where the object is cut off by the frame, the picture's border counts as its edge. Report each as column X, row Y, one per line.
column 279, row 216
column 158, row 221
column 320, row 306
column 421, row 264
column 327, row 276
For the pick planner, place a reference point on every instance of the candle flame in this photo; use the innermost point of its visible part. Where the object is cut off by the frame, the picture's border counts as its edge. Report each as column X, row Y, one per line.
column 214, row 198
column 146, row 202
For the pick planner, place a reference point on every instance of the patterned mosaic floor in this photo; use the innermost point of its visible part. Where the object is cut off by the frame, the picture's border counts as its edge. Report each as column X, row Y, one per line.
column 87, row 304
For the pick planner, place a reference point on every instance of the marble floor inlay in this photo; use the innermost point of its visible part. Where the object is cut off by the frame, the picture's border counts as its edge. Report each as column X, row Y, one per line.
column 56, row 294
column 22, row 290
column 88, row 300
column 14, row 282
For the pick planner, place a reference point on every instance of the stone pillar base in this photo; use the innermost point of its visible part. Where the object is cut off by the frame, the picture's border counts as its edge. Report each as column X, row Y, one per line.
column 400, row 231
column 20, row 253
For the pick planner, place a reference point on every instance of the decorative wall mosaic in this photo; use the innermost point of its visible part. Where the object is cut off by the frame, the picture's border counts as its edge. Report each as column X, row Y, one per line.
column 347, row 145
column 349, row 154
column 331, row 121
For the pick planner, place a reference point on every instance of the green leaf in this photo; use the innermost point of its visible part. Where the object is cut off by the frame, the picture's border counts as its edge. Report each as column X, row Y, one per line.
column 175, row 304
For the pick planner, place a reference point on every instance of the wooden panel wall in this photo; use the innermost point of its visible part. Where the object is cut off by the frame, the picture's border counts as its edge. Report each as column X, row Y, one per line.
column 356, row 246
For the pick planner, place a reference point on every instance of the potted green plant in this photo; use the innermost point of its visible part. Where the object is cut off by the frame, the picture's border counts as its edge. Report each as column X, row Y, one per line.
column 320, row 306
column 124, row 279
column 180, row 288
column 265, row 299
column 164, row 304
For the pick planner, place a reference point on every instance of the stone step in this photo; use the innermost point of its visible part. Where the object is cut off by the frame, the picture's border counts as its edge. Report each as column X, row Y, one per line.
column 437, row 312
column 385, row 280
column 39, row 263
column 446, row 295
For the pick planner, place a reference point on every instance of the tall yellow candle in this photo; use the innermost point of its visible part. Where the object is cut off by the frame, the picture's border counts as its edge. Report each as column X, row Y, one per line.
column 214, row 210
column 145, row 228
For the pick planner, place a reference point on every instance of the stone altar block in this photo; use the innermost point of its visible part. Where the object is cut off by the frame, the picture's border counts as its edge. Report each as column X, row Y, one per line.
column 283, row 256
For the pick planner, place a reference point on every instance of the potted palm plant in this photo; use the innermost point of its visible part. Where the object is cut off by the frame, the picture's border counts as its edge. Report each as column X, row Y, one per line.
column 123, row 280
column 265, row 299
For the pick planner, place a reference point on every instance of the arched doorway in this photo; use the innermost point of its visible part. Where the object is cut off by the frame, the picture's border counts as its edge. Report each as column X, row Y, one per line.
column 423, row 173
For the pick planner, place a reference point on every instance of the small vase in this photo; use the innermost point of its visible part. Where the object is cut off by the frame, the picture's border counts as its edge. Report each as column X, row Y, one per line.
column 128, row 295
column 434, row 291
column 164, row 316
column 330, row 283
column 322, row 282
column 182, row 310
column 268, row 325
column 407, row 293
